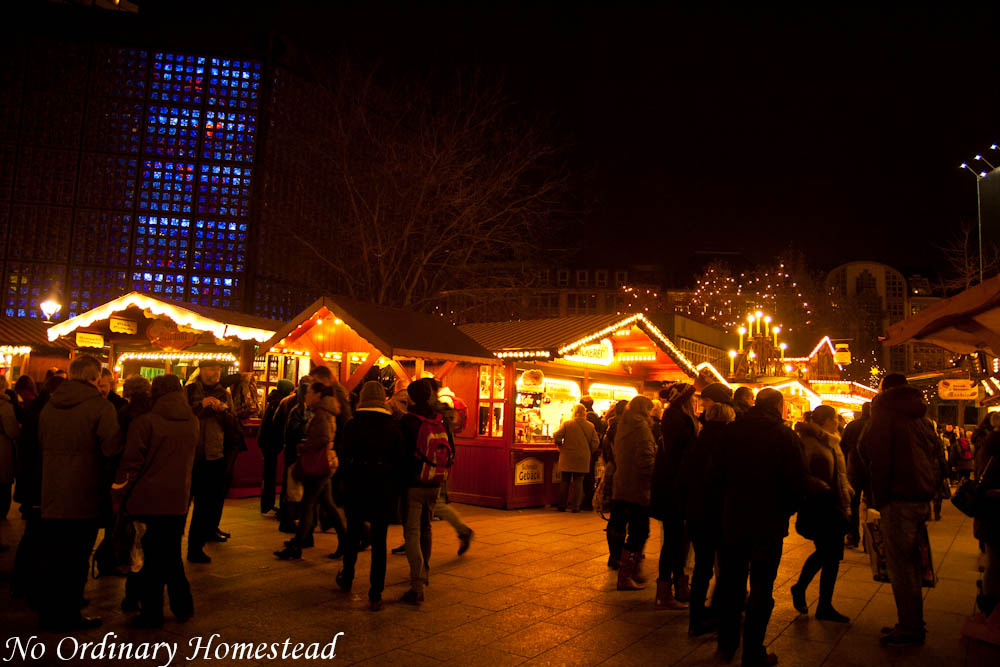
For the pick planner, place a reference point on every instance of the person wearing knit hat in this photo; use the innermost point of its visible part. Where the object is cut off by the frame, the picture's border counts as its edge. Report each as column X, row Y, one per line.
column 679, row 428
column 716, row 393
column 271, row 440
column 372, row 396
column 371, row 465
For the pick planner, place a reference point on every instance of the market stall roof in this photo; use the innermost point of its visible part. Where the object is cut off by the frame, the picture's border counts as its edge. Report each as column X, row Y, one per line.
column 22, row 331
column 221, row 323
column 394, row 332
column 965, row 323
column 554, row 337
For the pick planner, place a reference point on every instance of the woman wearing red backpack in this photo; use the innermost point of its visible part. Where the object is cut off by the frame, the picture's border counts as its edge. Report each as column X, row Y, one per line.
column 963, row 456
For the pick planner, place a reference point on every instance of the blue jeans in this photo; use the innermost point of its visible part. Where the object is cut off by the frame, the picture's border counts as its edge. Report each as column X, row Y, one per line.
column 901, row 521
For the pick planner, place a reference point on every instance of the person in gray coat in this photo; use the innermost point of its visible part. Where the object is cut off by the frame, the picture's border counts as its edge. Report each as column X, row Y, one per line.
column 77, row 432
column 154, row 481
column 577, row 440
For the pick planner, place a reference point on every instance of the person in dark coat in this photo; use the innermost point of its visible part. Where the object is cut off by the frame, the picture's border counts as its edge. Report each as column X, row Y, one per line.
column 106, row 388
column 10, row 429
column 988, row 472
column 293, row 403
column 763, row 477
column 848, row 445
column 137, row 392
column 154, row 480
column 635, row 456
column 26, row 393
column 78, row 432
column 742, row 401
column 24, row 580
column 824, row 514
column 371, row 465
column 679, row 427
column 704, row 514
column 899, row 451
column 270, row 441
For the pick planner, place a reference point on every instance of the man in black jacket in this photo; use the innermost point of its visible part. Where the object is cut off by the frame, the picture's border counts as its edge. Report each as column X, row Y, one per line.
column 849, row 443
column 77, row 433
column 899, row 450
column 371, row 462
column 763, row 476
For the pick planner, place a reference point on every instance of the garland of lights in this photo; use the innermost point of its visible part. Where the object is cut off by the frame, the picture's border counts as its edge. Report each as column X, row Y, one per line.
column 180, row 356
column 15, row 350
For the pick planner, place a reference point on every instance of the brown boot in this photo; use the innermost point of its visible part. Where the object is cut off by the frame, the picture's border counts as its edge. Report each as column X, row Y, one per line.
column 665, row 598
column 682, row 590
column 616, row 541
column 626, row 570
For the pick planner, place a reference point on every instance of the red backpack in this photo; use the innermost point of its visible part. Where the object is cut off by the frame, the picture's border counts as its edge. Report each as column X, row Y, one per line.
column 964, row 450
column 434, row 450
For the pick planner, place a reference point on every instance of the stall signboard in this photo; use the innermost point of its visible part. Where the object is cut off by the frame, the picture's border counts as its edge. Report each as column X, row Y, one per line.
column 958, row 390
column 602, row 354
column 123, row 325
column 165, row 335
column 89, row 339
column 529, row 471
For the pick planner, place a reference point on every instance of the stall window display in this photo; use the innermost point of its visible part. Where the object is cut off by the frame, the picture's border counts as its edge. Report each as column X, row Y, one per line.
column 606, row 395
column 491, row 401
column 543, row 404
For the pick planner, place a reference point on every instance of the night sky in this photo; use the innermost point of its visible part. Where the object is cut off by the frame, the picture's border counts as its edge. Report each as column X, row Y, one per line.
column 732, row 128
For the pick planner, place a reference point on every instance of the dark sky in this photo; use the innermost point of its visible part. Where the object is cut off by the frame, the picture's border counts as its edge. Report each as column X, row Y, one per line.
column 735, row 128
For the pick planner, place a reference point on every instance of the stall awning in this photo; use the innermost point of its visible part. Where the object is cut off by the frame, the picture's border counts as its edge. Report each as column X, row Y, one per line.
column 23, row 331
column 965, row 323
column 221, row 323
column 395, row 332
column 555, row 337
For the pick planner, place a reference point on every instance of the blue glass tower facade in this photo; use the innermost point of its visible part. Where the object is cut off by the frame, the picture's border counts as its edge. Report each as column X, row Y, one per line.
column 125, row 168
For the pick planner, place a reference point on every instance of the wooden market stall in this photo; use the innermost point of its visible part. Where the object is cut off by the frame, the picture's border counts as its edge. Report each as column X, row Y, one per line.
column 547, row 366
column 360, row 341
column 138, row 334
column 26, row 350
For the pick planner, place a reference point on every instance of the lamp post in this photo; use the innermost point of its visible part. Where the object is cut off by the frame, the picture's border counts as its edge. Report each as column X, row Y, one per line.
column 750, row 319
column 783, row 347
column 776, row 330
column 767, row 325
column 979, row 209
column 49, row 308
column 742, row 332
column 760, row 316
column 732, row 362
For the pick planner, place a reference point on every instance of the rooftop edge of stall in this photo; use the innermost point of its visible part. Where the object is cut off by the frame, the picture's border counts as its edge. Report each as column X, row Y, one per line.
column 220, row 323
column 557, row 338
column 393, row 331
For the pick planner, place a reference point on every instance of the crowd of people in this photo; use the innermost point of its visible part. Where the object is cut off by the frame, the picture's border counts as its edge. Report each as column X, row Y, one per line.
column 82, row 459
column 726, row 483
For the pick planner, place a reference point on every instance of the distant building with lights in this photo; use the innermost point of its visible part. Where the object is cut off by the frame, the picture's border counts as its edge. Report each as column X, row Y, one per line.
column 134, row 156
column 888, row 297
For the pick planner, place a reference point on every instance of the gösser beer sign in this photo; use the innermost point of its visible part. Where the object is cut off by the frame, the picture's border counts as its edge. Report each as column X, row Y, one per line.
column 958, row 390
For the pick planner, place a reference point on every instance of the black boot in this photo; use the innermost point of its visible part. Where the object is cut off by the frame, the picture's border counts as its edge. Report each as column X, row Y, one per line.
column 616, row 541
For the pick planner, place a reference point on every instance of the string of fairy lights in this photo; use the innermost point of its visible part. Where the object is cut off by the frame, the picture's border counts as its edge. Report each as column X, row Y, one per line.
column 723, row 298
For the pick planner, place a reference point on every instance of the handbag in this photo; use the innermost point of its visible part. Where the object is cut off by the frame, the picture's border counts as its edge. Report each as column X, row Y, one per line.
column 969, row 497
column 293, row 486
column 316, row 463
column 875, row 545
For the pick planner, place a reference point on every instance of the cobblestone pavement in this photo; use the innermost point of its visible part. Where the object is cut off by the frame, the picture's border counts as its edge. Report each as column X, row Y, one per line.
column 534, row 588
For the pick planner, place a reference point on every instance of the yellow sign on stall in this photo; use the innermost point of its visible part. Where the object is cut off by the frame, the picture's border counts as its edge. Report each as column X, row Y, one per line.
column 529, row 471
column 89, row 339
column 958, row 390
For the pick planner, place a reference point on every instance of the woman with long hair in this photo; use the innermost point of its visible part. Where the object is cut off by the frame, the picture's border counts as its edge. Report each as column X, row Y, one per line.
column 824, row 516
column 635, row 456
column 317, row 447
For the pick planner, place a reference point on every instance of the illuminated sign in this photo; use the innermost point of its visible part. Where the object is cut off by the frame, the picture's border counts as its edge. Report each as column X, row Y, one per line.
column 122, row 325
column 529, row 471
column 89, row 339
column 601, row 354
column 958, row 390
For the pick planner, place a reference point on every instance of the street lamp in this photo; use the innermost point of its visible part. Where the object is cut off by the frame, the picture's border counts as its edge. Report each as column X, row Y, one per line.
column 982, row 159
column 49, row 308
column 979, row 209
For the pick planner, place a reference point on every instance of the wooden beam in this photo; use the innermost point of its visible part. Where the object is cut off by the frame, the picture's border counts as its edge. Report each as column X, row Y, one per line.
column 419, row 372
column 361, row 371
column 400, row 373
column 447, row 368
